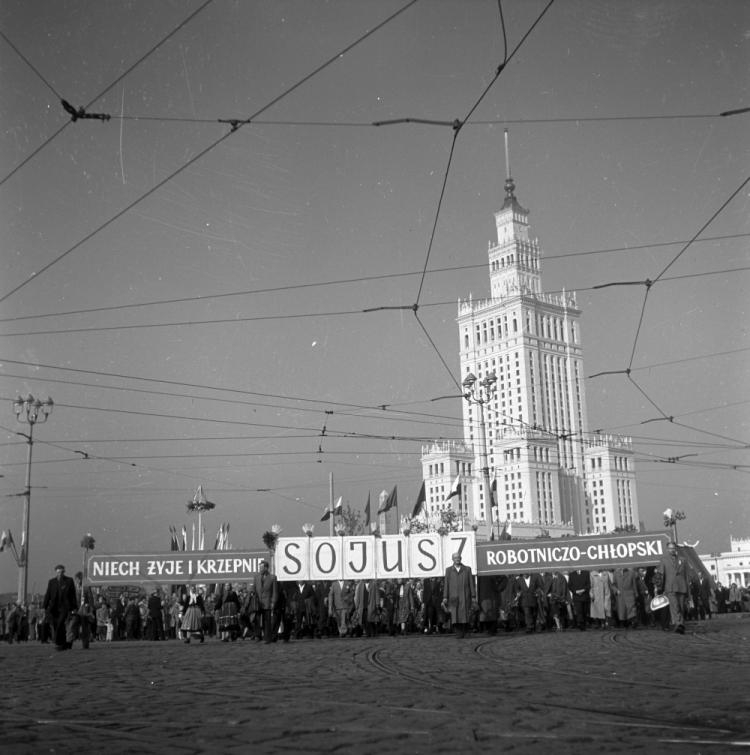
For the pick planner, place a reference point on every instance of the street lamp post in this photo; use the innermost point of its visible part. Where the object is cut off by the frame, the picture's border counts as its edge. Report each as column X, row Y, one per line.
column 32, row 411
column 479, row 393
column 670, row 520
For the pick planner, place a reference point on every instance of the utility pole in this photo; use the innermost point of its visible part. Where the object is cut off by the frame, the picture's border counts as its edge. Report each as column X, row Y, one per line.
column 480, row 393
column 32, row 411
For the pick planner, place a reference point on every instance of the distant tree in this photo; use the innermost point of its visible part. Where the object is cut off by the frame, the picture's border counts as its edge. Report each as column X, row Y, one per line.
column 352, row 521
column 416, row 525
column 449, row 522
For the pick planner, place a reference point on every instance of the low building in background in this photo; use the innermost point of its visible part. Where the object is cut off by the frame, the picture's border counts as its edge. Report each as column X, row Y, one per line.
column 732, row 565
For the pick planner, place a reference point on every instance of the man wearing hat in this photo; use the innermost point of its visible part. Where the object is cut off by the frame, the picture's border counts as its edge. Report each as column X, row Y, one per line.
column 59, row 602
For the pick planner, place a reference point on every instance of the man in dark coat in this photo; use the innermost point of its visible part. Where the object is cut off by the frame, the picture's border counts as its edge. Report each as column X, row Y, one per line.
column 267, row 587
column 459, row 595
column 579, row 583
column 432, row 597
column 675, row 579
column 529, row 588
column 59, row 602
column 155, row 617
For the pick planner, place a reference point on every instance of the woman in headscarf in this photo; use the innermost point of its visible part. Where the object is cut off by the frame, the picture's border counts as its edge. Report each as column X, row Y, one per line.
column 192, row 614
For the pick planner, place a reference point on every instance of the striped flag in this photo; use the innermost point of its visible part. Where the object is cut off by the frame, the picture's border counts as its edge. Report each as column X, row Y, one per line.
column 367, row 510
column 337, row 508
column 455, row 488
column 390, row 501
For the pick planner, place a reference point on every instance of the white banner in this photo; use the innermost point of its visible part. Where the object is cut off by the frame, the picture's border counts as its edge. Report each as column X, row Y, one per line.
column 368, row 557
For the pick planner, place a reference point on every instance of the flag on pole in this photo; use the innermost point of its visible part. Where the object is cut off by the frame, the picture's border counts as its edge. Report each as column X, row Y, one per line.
column 455, row 488
column 222, row 537
column 173, row 544
column 337, row 508
column 184, row 537
column 421, row 500
column 367, row 510
column 3, row 541
column 390, row 501
column 203, row 538
column 504, row 535
column 192, row 542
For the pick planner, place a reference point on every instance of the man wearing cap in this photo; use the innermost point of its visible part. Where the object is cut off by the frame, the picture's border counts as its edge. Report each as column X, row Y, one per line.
column 59, row 602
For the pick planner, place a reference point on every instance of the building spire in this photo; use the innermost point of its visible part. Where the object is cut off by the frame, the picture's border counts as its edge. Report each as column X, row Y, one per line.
column 509, row 184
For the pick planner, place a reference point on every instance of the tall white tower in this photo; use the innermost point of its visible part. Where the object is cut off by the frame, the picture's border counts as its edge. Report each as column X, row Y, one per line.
column 545, row 469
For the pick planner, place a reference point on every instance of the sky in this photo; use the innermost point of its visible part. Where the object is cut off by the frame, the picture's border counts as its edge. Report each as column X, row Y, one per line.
column 256, row 306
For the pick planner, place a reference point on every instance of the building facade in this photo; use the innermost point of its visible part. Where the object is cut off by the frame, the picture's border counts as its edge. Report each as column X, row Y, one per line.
column 529, row 427
column 732, row 565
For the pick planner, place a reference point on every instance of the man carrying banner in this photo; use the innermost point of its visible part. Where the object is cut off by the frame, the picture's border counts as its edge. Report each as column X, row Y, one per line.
column 267, row 587
column 459, row 595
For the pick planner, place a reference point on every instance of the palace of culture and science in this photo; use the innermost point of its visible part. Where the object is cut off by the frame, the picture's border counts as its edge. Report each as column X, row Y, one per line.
column 526, row 434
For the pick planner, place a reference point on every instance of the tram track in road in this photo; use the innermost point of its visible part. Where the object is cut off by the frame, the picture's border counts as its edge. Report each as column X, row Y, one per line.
column 651, row 726
column 698, row 640
column 604, row 638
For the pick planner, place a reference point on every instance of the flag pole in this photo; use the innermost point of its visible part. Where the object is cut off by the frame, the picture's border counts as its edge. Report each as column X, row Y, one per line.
column 330, row 503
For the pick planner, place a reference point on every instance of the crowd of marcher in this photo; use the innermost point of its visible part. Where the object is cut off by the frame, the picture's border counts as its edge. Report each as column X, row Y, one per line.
column 268, row 610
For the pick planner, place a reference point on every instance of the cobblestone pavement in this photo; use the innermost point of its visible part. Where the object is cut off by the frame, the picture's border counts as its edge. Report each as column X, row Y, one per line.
column 600, row 691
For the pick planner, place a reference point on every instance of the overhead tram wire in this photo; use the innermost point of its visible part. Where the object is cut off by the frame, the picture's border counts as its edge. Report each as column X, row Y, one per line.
column 300, row 315
column 425, row 121
column 30, row 65
column 234, row 126
column 361, row 279
column 649, row 283
column 314, row 432
column 127, row 71
column 648, row 286
column 456, row 126
column 237, row 391
column 410, row 417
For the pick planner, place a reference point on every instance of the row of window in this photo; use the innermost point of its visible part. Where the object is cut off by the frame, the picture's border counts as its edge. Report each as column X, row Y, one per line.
column 495, row 328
